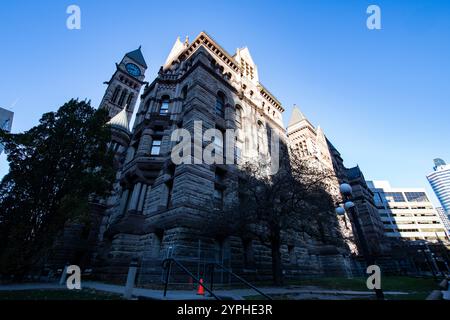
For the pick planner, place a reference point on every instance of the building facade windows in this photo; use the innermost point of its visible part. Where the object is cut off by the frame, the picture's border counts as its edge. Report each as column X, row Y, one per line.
column 416, row 197
column 115, row 94
column 238, row 117
column 219, row 145
column 156, row 147
column 220, row 105
column 164, row 109
column 403, row 209
column 184, row 92
column 440, row 182
column 129, row 100
column 393, row 197
column 260, row 141
column 122, row 98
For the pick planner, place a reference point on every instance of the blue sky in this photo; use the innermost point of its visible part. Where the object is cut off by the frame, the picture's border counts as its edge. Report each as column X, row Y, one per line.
column 382, row 97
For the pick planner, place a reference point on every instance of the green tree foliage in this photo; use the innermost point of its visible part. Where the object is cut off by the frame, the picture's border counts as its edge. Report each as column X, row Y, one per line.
column 55, row 168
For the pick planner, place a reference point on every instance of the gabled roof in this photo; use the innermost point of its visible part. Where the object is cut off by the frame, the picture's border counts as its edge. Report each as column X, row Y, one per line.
column 354, row 173
column 177, row 49
column 203, row 39
column 296, row 117
column 120, row 120
column 137, row 56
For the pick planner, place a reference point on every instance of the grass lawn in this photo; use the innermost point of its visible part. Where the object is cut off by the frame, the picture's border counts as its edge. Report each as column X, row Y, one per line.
column 85, row 294
column 417, row 288
column 388, row 283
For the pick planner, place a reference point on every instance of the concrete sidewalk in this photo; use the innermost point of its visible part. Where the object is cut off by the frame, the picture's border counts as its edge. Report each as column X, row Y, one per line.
column 235, row 294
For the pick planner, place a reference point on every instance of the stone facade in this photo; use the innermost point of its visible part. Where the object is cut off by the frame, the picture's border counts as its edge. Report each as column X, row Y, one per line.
column 311, row 144
column 157, row 207
column 366, row 209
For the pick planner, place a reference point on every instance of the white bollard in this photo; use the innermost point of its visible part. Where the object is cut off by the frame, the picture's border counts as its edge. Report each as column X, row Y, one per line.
column 131, row 278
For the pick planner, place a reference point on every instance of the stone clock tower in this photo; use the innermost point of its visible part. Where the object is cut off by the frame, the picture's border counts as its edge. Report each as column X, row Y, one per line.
column 125, row 85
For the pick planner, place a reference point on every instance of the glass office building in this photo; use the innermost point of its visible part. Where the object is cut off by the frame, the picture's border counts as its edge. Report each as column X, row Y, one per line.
column 407, row 213
column 440, row 182
column 6, row 119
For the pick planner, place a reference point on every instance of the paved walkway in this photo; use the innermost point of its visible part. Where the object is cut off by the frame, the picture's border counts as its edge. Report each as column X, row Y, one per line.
column 235, row 294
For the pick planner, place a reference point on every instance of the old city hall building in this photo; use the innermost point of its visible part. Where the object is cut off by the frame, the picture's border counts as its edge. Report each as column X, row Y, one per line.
column 156, row 207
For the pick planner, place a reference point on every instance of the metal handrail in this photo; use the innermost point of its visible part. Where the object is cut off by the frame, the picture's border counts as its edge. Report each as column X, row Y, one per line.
column 167, row 264
column 236, row 276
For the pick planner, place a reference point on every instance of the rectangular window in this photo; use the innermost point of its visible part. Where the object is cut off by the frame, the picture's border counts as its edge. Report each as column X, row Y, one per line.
column 393, row 197
column 219, row 143
column 164, row 110
column 416, row 197
column 156, row 147
column 220, row 108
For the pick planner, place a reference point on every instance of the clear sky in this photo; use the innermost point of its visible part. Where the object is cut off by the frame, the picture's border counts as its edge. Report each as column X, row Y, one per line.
column 382, row 97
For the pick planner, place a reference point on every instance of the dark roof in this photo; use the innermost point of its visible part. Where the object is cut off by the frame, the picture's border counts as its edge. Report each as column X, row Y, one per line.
column 354, row 173
column 137, row 56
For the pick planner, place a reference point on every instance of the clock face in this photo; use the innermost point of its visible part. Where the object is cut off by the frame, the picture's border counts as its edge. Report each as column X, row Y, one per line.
column 133, row 69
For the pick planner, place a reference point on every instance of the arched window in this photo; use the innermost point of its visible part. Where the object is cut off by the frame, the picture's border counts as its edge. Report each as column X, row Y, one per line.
column 164, row 109
column 129, row 100
column 220, row 104
column 238, row 117
column 122, row 97
column 260, row 136
column 115, row 94
column 184, row 92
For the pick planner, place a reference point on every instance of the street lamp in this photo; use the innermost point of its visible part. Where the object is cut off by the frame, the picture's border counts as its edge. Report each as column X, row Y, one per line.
column 349, row 206
column 340, row 211
column 427, row 260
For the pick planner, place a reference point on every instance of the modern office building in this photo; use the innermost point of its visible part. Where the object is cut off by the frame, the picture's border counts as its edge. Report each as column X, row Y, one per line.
column 445, row 219
column 6, row 118
column 440, row 182
column 407, row 213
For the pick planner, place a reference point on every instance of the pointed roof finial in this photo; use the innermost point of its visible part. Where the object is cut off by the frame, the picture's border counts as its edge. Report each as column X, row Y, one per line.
column 137, row 56
column 186, row 41
column 177, row 48
column 296, row 117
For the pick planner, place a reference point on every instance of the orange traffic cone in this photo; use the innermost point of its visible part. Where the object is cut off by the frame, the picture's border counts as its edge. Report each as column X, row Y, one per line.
column 201, row 289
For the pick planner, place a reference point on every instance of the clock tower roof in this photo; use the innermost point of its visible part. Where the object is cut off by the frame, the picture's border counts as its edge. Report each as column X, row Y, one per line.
column 137, row 56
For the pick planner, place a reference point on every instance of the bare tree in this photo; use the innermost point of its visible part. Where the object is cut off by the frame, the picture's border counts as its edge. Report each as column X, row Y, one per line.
column 295, row 199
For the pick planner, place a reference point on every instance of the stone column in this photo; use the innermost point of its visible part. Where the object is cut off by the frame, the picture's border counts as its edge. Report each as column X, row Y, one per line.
column 145, row 143
column 135, row 196
column 131, row 279
column 123, row 201
column 142, row 198
column 130, row 154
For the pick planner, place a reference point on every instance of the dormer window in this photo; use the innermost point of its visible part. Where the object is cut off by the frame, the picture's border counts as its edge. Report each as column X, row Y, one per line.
column 247, row 69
